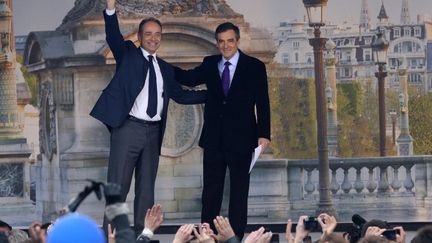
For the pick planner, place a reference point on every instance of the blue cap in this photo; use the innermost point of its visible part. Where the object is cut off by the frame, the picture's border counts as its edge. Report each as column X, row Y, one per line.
column 74, row 228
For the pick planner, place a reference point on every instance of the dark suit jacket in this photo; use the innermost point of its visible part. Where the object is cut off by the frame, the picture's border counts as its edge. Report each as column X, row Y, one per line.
column 117, row 99
column 231, row 122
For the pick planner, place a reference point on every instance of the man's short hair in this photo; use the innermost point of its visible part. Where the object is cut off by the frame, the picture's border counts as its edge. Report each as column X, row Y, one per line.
column 227, row 26
column 5, row 225
column 423, row 235
column 145, row 21
column 373, row 239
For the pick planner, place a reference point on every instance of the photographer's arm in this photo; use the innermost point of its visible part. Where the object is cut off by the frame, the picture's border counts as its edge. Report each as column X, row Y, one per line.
column 301, row 232
column 328, row 224
column 183, row 234
column 401, row 237
column 288, row 234
column 152, row 221
column 117, row 212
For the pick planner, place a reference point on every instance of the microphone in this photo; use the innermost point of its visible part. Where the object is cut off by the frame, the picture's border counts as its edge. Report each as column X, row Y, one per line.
column 358, row 220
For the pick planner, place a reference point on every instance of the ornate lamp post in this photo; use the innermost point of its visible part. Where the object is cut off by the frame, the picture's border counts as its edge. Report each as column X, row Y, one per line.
column 316, row 11
column 393, row 115
column 379, row 48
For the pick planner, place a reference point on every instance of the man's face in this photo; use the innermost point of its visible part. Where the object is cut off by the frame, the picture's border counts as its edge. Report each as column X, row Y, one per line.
column 150, row 37
column 227, row 43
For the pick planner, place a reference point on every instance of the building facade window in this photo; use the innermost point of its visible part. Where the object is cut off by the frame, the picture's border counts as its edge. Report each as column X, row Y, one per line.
column 414, row 78
column 407, row 31
column 296, row 57
column 368, row 41
column 367, row 55
column 285, row 58
column 396, row 32
column 296, row 44
column 417, row 32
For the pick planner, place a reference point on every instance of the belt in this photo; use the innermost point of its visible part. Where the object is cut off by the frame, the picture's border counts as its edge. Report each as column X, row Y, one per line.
column 132, row 118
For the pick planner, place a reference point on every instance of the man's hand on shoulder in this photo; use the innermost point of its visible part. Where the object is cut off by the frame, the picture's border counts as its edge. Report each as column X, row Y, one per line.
column 110, row 4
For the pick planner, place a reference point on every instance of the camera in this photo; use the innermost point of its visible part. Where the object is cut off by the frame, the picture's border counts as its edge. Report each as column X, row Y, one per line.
column 310, row 223
column 391, row 234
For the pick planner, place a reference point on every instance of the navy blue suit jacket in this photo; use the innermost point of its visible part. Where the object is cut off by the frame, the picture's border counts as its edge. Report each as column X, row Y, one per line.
column 113, row 106
column 231, row 122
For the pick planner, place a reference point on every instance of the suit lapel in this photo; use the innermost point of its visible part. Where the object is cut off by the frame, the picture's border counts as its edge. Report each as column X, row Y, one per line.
column 217, row 81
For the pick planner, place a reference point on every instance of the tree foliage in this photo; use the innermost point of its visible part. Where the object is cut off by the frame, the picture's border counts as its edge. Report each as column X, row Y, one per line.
column 420, row 116
column 293, row 114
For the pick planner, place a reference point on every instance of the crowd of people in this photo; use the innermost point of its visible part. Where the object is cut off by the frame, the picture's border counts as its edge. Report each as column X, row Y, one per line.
column 74, row 227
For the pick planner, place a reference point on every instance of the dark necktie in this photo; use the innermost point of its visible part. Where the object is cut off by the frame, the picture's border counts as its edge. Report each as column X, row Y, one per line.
column 226, row 78
column 152, row 94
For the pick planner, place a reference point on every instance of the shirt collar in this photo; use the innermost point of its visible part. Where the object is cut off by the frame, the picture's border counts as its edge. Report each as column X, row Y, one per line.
column 234, row 59
column 146, row 53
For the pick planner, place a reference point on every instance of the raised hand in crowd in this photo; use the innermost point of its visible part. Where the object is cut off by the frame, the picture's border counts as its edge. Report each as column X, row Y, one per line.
column 265, row 238
column 328, row 224
column 288, row 235
column 184, row 233
column 204, row 234
column 401, row 236
column 301, row 232
column 111, row 234
column 254, row 236
column 36, row 233
column 153, row 218
column 224, row 229
column 373, row 230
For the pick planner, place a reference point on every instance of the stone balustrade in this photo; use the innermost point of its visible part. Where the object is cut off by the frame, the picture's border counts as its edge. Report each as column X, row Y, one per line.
column 391, row 188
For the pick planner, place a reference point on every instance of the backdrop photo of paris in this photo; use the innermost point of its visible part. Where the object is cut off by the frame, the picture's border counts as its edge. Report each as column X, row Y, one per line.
column 378, row 132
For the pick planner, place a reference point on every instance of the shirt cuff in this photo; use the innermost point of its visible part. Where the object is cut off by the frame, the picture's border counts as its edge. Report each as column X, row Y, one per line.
column 147, row 232
column 110, row 12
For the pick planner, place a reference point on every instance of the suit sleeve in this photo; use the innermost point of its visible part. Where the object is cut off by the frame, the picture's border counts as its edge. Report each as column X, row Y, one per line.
column 114, row 37
column 192, row 77
column 185, row 97
column 263, row 103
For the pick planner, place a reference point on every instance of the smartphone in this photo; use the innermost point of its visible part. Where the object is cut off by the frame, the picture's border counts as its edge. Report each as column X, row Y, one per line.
column 391, row 234
column 310, row 223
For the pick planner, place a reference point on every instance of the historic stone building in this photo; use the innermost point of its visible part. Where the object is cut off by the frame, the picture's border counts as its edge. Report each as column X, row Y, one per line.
column 14, row 152
column 74, row 64
column 353, row 52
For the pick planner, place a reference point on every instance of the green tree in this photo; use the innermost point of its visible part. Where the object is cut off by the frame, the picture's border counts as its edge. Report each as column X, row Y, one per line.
column 293, row 114
column 420, row 115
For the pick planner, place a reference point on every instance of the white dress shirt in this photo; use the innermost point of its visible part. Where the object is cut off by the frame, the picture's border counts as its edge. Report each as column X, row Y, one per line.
column 234, row 60
column 139, row 108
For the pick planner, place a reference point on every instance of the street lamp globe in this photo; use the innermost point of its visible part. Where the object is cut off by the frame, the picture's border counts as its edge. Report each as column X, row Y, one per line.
column 316, row 11
column 379, row 48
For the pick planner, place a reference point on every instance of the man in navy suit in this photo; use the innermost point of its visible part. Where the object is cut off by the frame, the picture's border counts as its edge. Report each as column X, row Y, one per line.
column 134, row 108
column 236, row 120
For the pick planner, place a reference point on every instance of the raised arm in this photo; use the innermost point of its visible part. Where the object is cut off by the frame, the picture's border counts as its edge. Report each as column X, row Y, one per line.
column 192, row 77
column 177, row 93
column 113, row 37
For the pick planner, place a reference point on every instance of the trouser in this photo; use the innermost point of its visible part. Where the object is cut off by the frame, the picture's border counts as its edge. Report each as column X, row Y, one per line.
column 135, row 146
column 216, row 162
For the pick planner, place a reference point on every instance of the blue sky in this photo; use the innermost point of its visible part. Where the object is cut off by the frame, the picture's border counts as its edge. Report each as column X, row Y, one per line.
column 47, row 14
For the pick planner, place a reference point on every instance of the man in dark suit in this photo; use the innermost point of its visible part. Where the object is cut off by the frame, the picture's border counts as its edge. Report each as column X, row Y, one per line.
column 236, row 87
column 134, row 108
